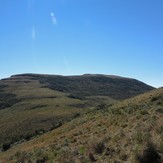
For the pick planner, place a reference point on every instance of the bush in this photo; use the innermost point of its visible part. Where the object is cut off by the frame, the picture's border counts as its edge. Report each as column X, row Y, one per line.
column 76, row 96
column 29, row 136
column 161, row 147
column 143, row 112
column 98, row 147
column 91, row 157
column 40, row 132
column 150, row 155
column 154, row 99
column 101, row 106
column 7, row 100
column 6, row 146
column 42, row 160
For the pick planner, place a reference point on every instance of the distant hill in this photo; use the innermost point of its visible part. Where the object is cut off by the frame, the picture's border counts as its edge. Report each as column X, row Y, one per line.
column 91, row 85
column 128, row 131
column 32, row 104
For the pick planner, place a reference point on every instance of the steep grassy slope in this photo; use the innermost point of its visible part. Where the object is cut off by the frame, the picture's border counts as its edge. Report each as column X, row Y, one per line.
column 129, row 131
column 31, row 104
column 28, row 107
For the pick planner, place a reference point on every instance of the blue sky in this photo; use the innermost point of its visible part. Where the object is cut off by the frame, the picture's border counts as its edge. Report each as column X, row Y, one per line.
column 71, row 37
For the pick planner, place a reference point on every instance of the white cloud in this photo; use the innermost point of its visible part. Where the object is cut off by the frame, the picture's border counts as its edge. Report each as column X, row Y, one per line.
column 53, row 18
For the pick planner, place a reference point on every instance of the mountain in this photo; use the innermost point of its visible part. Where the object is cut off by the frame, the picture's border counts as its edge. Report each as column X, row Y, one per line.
column 128, row 131
column 90, row 85
column 32, row 104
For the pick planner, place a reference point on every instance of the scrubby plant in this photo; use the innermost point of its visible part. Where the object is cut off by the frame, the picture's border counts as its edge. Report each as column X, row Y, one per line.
column 161, row 147
column 42, row 160
column 123, row 157
column 91, row 157
column 150, row 155
column 160, row 130
column 143, row 112
column 154, row 99
column 6, row 146
column 98, row 147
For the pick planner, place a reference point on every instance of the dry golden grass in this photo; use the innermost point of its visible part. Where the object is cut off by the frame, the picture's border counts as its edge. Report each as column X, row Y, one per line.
column 38, row 109
column 118, row 133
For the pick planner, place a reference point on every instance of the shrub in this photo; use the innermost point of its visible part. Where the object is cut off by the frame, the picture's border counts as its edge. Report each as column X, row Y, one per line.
column 101, row 106
column 7, row 100
column 75, row 96
column 91, row 157
column 150, row 155
column 6, row 146
column 154, row 99
column 98, row 147
column 124, row 157
column 161, row 147
column 143, row 112
column 159, row 110
column 76, row 115
column 160, row 130
column 42, row 160
column 40, row 132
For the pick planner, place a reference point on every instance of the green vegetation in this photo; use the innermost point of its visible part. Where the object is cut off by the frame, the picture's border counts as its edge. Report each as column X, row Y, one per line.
column 28, row 107
column 53, row 126
column 7, row 99
column 87, row 85
column 150, row 155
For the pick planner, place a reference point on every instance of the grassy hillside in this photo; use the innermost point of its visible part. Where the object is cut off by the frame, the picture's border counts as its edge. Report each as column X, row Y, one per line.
column 31, row 109
column 87, row 85
column 128, row 131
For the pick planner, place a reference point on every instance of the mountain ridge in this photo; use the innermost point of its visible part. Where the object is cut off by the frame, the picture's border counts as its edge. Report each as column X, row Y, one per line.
column 88, row 84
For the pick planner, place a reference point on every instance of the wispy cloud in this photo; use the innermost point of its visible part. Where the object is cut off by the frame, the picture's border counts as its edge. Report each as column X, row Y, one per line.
column 33, row 33
column 53, row 18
